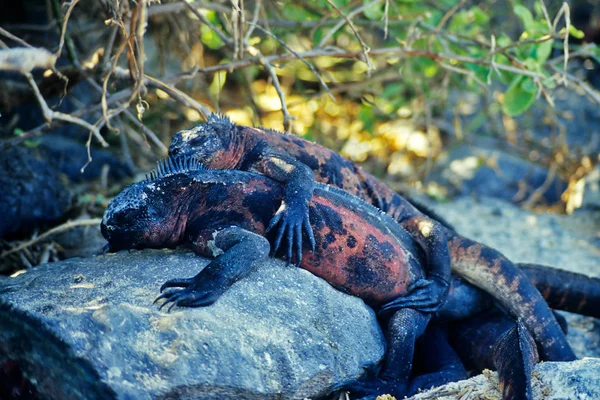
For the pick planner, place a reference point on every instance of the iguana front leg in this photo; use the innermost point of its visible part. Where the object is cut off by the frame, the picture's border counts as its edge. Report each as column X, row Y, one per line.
column 292, row 216
column 236, row 250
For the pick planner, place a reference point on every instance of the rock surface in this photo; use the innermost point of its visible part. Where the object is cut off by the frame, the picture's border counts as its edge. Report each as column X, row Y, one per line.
column 279, row 332
column 551, row 381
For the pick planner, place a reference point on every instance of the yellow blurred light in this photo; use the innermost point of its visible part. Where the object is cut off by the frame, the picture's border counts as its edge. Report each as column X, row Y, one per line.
column 466, row 167
column 400, row 164
column 240, row 116
column 161, row 94
column 418, row 144
column 192, row 115
column 332, row 109
column 47, row 73
column 356, row 150
column 404, row 112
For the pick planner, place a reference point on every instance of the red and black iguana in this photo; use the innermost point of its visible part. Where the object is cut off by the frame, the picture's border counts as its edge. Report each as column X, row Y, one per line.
column 297, row 163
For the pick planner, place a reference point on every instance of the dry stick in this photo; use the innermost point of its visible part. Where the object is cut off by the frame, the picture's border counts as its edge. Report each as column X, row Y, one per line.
column 39, row 130
column 157, row 8
column 50, row 115
column 287, row 118
column 450, row 13
column 66, row 226
column 147, row 131
column 365, row 48
column 309, row 65
column 64, row 26
column 587, row 88
column 386, row 21
column 235, row 12
column 253, row 23
column 337, row 53
column 14, row 38
column 107, row 114
column 178, row 95
column 213, row 28
column 567, row 12
column 465, row 72
column 537, row 194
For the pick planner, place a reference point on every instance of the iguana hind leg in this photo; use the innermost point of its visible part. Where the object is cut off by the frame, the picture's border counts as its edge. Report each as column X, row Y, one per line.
column 435, row 363
column 404, row 327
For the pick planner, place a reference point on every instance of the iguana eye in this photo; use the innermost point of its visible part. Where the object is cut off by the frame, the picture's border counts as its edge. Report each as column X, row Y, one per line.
column 198, row 141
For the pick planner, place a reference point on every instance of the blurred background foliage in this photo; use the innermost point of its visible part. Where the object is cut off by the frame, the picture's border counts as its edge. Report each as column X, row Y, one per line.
column 397, row 85
column 439, row 97
column 393, row 84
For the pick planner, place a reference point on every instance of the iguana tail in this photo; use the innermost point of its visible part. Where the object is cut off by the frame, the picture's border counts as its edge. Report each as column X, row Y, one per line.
column 564, row 290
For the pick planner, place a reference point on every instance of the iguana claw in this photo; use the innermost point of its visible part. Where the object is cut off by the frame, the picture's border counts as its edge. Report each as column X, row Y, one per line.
column 292, row 221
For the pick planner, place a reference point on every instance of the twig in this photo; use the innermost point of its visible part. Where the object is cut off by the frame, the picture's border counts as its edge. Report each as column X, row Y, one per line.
column 14, row 38
column 178, row 95
column 450, row 13
column 365, row 48
column 586, row 88
column 287, row 118
column 50, row 115
column 567, row 13
column 63, row 33
column 66, row 226
column 537, row 194
column 213, row 28
column 115, row 98
column 465, row 72
column 386, row 19
column 257, row 7
column 157, row 8
column 309, row 65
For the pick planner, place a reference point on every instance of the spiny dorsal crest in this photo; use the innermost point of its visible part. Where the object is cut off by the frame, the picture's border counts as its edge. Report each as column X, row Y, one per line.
column 174, row 165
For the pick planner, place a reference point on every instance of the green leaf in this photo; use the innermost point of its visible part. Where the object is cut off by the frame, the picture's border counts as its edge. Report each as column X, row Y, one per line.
column 373, row 12
column 543, row 51
column 18, row 132
column 525, row 15
column 32, row 143
column 528, row 85
column 367, row 116
column 481, row 18
column 218, row 82
column 576, row 33
column 517, row 99
column 318, row 35
column 210, row 38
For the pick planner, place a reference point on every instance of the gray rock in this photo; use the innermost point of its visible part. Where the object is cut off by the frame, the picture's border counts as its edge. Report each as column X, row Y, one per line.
column 86, row 328
column 551, row 380
column 481, row 171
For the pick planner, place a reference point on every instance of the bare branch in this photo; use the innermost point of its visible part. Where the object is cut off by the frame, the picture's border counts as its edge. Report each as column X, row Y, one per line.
column 64, row 227
column 348, row 19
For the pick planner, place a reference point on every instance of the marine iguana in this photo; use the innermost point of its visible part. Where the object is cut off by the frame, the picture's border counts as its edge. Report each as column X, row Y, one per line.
column 220, row 144
column 224, row 214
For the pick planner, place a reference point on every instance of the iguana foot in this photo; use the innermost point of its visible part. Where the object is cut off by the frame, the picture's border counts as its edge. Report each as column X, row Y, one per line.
column 188, row 296
column 292, row 220
column 424, row 295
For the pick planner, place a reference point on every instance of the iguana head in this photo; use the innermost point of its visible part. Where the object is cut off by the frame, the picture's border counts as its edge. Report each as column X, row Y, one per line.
column 150, row 213
column 212, row 143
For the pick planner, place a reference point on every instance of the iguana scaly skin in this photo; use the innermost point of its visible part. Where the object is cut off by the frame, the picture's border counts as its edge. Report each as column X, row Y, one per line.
column 220, row 144
column 224, row 214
